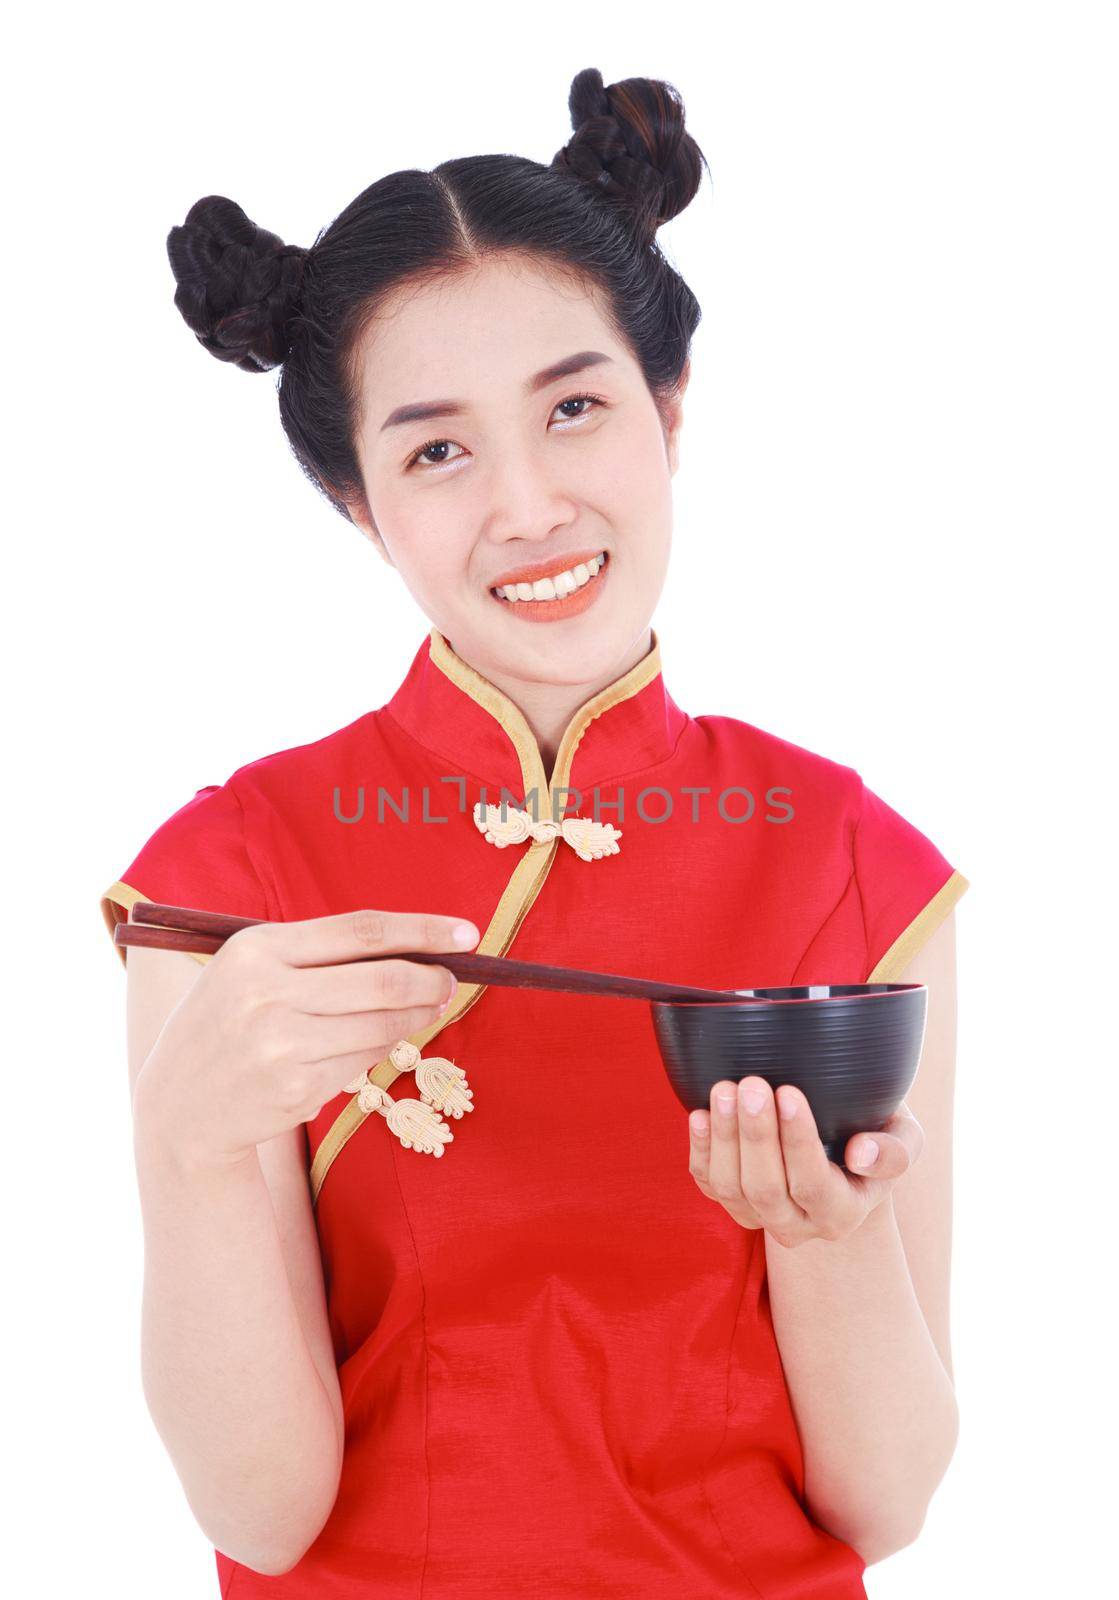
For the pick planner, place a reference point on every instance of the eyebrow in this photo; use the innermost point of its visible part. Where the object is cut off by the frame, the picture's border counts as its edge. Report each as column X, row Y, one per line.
column 423, row 410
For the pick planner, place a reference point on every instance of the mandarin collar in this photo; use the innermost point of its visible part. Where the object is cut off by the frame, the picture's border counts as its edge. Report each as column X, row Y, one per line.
column 457, row 714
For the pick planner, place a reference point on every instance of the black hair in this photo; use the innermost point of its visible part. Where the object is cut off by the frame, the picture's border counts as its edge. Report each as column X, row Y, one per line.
column 593, row 213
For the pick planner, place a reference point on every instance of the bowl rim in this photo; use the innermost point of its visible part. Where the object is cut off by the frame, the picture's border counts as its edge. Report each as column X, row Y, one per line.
column 875, row 991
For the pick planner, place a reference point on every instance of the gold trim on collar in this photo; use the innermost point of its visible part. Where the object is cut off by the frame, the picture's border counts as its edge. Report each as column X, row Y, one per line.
column 530, row 872
column 512, row 719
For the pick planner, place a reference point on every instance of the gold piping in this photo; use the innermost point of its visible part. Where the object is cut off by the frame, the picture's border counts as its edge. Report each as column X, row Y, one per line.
column 530, row 872
column 920, row 930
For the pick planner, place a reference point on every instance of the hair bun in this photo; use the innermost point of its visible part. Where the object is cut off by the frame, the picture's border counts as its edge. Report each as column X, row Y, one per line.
column 238, row 284
column 631, row 147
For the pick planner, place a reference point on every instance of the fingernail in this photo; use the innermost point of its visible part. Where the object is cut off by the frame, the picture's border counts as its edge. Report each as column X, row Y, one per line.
column 787, row 1105
column 699, row 1124
column 465, row 933
column 753, row 1100
column 868, row 1154
column 724, row 1101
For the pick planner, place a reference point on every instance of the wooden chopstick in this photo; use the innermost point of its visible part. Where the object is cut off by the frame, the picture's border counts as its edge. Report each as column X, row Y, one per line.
column 167, row 927
column 220, row 923
column 136, row 933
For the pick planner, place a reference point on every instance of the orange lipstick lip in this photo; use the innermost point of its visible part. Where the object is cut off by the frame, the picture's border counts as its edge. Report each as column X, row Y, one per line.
column 557, row 610
column 532, row 570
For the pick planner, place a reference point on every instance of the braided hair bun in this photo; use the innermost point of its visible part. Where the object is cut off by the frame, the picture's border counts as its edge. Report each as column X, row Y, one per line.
column 238, row 284
column 631, row 146
column 594, row 210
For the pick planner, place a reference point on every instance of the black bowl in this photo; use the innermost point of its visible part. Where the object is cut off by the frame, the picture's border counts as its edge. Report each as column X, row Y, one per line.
column 851, row 1048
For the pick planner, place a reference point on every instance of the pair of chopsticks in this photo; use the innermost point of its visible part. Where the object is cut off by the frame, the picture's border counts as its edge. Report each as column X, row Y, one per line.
column 164, row 927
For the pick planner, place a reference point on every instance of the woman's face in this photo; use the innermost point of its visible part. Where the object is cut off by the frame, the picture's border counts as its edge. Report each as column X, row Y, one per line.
column 521, row 473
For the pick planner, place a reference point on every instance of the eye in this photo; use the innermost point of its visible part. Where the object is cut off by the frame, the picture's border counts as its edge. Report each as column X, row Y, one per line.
column 588, row 400
column 432, row 444
column 582, row 399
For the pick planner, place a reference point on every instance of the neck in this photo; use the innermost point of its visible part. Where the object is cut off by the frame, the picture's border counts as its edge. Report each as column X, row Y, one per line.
column 549, row 707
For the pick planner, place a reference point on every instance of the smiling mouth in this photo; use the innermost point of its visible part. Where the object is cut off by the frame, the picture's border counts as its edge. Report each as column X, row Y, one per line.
column 556, row 589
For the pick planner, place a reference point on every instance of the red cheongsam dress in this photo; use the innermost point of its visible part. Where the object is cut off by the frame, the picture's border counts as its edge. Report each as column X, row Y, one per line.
column 556, row 1356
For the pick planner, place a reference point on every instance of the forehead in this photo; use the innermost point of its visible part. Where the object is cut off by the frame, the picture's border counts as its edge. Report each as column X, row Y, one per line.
column 487, row 325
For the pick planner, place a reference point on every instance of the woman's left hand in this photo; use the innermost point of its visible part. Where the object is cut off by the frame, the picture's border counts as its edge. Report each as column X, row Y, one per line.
column 771, row 1171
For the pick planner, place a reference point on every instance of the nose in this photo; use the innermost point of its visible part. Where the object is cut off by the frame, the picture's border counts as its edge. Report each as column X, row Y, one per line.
column 527, row 503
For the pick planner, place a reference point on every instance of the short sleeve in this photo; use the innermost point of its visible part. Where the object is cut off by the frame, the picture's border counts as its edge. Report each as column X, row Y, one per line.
column 199, row 857
column 906, row 886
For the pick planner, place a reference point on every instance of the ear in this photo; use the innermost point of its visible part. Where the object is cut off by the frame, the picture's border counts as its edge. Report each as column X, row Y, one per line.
column 674, row 418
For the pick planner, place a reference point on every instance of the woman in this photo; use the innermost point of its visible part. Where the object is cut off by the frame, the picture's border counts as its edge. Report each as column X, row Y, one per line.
column 582, row 1351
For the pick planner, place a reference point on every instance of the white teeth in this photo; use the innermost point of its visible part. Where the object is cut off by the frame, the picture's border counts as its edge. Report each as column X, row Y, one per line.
column 557, row 586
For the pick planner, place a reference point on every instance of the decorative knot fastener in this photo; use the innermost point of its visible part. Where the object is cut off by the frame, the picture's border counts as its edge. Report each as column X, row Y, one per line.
column 417, row 1123
column 590, row 840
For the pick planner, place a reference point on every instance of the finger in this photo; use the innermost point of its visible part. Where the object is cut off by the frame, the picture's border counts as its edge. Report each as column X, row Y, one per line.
column 378, row 985
column 352, row 935
column 322, row 1038
column 904, row 1126
column 340, row 1071
column 815, row 1184
column 890, row 1156
column 869, row 1151
column 336, row 1075
column 699, row 1147
column 761, row 1163
column 699, row 1165
column 724, row 1166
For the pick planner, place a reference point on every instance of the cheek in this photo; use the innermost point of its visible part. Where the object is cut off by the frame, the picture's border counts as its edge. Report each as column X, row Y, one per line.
column 431, row 562
column 637, row 494
column 423, row 532
column 634, row 464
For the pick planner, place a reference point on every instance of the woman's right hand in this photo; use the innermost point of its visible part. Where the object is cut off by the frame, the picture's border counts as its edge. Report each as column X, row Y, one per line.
column 282, row 1018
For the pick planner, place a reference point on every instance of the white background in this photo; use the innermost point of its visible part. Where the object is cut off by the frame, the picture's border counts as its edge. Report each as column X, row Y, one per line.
column 896, row 516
